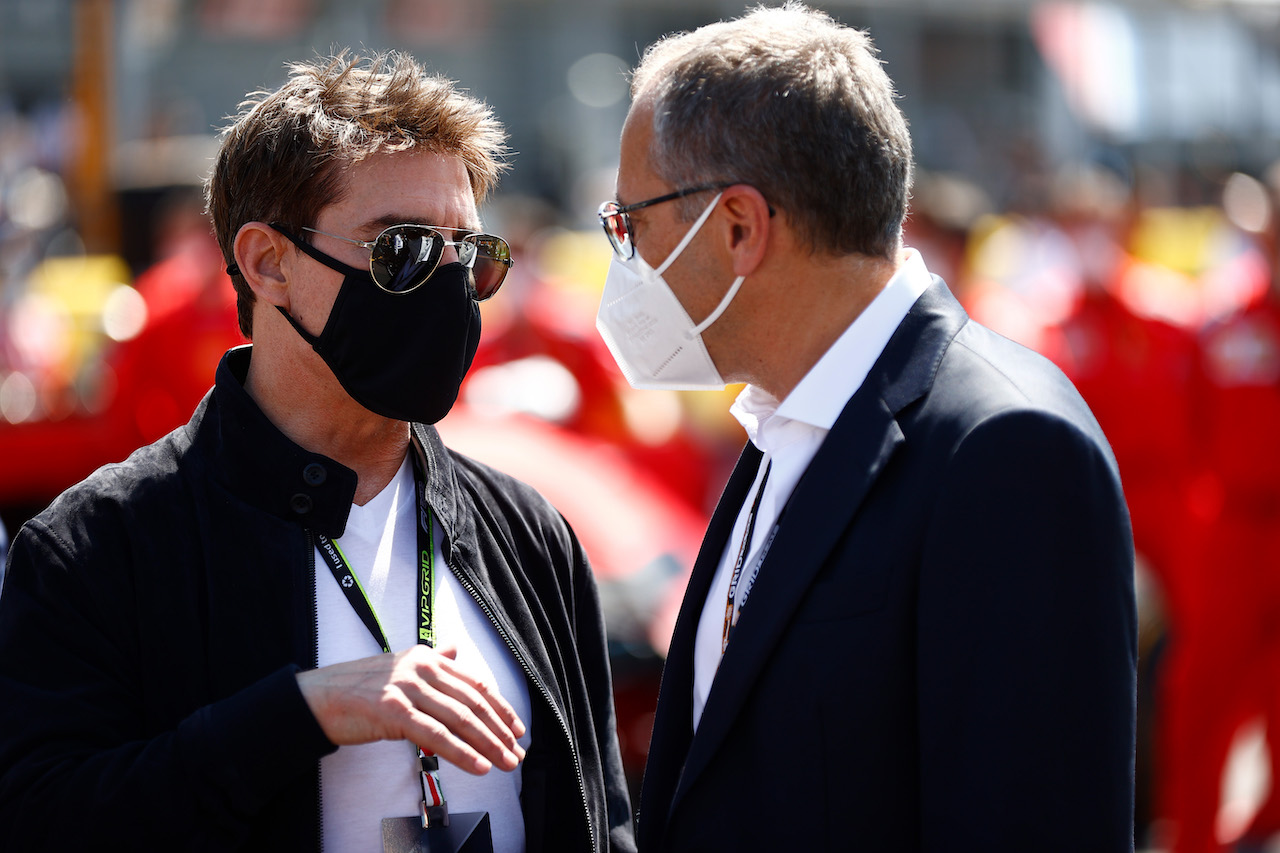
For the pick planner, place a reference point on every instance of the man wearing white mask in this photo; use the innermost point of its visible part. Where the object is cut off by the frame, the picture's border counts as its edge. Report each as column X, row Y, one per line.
column 912, row 621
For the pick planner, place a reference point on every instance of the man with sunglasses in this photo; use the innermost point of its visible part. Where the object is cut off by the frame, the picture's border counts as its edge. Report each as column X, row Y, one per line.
column 300, row 621
column 911, row 626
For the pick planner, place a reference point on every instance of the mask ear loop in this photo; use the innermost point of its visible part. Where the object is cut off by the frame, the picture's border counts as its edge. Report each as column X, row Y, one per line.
column 724, row 303
column 310, row 250
column 675, row 253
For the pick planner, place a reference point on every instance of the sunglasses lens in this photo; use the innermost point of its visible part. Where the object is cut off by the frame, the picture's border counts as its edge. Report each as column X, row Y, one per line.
column 405, row 256
column 492, row 260
column 616, row 228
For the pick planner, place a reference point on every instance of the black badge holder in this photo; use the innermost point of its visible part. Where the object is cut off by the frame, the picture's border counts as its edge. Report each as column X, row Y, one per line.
column 435, row 830
column 464, row 832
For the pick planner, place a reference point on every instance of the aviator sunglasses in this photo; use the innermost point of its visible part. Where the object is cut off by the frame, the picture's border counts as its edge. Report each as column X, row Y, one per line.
column 403, row 257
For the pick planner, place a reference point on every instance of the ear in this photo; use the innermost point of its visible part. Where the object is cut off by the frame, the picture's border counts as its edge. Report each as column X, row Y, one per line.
column 749, row 221
column 260, row 252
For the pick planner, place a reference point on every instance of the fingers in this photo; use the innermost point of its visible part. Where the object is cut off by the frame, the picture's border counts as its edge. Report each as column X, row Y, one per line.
column 421, row 695
column 497, row 712
column 436, row 739
column 456, row 710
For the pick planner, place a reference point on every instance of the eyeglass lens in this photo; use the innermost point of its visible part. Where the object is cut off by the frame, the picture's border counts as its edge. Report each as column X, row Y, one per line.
column 617, row 227
column 401, row 259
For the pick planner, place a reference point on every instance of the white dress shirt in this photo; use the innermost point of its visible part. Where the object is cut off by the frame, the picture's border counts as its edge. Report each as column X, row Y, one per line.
column 789, row 434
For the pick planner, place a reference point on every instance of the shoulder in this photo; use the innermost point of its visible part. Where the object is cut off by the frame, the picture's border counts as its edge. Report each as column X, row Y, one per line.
column 117, row 501
column 991, row 405
column 501, row 500
column 481, row 478
column 987, row 378
column 520, row 537
column 90, row 553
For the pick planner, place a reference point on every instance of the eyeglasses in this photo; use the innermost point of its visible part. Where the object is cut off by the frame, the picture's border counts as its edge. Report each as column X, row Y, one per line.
column 617, row 224
column 403, row 257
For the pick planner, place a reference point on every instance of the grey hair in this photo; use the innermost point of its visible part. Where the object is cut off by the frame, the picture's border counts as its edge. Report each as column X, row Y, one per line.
column 797, row 105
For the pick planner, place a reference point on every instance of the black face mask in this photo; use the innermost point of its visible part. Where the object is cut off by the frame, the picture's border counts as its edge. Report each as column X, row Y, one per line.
column 400, row 355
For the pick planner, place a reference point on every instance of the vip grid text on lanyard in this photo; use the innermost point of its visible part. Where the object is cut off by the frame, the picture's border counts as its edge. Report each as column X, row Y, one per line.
column 432, row 794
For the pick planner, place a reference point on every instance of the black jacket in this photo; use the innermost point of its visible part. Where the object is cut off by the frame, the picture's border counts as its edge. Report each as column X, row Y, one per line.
column 155, row 615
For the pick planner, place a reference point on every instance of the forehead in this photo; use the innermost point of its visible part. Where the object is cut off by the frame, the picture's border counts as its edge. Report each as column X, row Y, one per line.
column 636, row 178
column 404, row 186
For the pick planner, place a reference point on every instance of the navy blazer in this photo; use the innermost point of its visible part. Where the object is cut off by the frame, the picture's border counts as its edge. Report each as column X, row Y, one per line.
column 940, row 650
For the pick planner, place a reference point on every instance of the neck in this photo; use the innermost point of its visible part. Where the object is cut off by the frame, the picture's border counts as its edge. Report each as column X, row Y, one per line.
column 804, row 314
column 301, row 397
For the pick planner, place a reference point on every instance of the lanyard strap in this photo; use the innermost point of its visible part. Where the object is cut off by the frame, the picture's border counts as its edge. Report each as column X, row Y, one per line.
column 432, row 793
column 359, row 599
column 731, row 608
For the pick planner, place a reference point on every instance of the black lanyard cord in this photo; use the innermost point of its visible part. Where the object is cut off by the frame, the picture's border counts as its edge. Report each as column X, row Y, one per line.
column 432, row 794
column 731, row 611
column 359, row 599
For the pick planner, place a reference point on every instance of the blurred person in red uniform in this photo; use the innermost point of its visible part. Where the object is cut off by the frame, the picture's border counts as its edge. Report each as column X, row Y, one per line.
column 1225, row 657
column 1134, row 371
column 190, row 321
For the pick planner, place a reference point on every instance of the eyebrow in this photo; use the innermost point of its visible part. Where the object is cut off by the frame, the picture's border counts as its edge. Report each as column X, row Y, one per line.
column 385, row 221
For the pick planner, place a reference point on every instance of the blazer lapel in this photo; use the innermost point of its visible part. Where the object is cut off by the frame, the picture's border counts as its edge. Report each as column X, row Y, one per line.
column 823, row 505
column 673, row 718
column 845, row 466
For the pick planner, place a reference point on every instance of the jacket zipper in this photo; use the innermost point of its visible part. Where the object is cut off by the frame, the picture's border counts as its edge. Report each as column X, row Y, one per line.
column 315, row 660
column 546, row 694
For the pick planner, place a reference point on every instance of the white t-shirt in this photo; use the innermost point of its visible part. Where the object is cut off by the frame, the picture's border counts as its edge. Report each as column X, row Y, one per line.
column 360, row 785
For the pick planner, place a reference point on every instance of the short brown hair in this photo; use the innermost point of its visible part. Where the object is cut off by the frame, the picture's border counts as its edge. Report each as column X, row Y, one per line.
column 282, row 157
column 797, row 105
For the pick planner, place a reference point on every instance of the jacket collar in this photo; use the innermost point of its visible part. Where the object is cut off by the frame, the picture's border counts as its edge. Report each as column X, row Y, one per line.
column 263, row 467
column 443, row 493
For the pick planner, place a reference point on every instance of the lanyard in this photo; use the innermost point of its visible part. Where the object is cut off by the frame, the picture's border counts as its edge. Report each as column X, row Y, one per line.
column 359, row 599
column 731, row 608
column 432, row 794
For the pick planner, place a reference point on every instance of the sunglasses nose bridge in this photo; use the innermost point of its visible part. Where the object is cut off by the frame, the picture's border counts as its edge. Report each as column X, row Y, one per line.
column 461, row 252
column 405, row 257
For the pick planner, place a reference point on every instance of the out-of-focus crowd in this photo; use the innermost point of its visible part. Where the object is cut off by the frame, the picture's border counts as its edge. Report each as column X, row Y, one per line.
column 99, row 354
column 1166, row 316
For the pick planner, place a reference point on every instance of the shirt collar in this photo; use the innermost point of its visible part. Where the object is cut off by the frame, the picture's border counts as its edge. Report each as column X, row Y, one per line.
column 823, row 392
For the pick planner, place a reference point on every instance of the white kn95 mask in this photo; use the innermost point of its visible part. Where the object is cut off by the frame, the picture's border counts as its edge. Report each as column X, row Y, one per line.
column 652, row 338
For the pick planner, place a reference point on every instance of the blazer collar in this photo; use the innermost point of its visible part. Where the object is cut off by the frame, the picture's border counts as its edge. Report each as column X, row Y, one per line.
column 854, row 453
